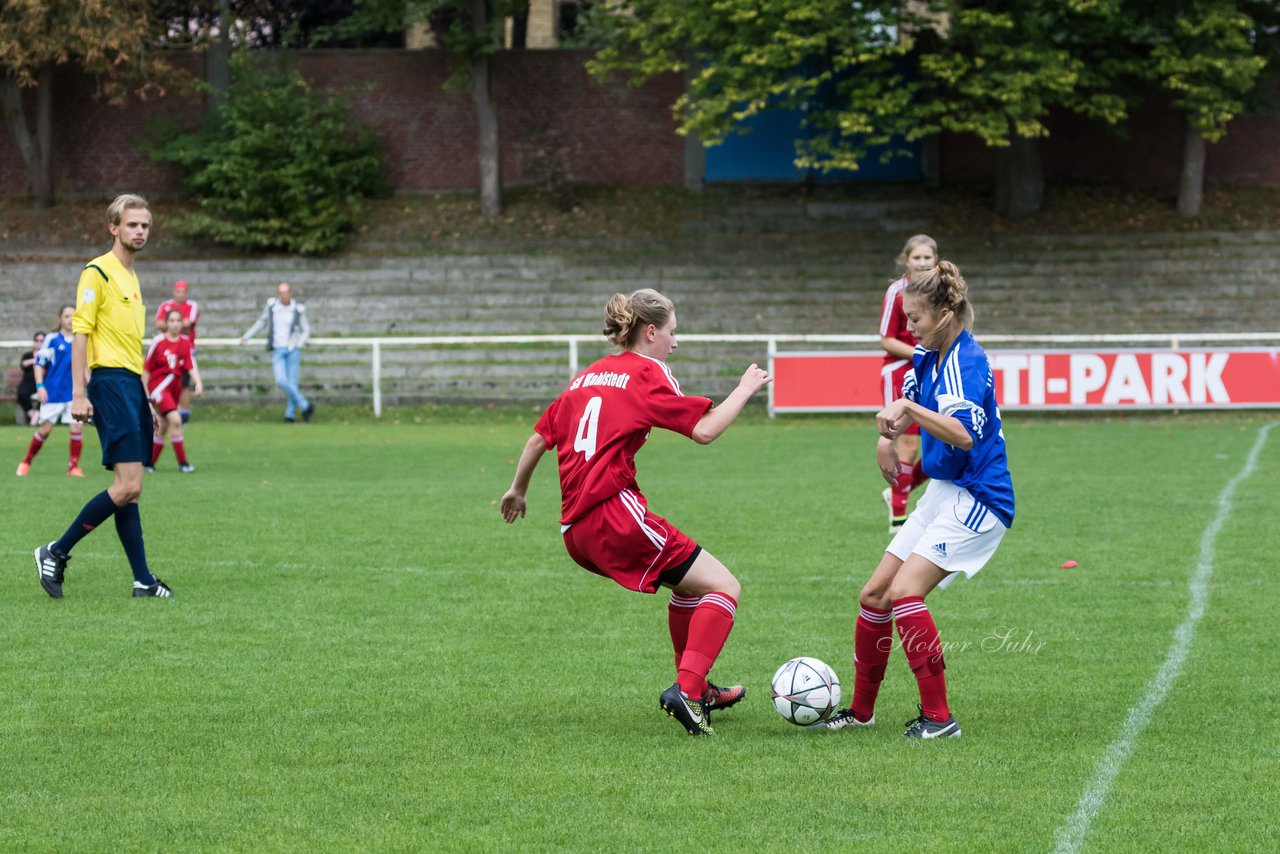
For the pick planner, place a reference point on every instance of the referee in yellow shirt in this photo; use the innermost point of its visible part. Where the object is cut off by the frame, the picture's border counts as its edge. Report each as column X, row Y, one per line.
column 107, row 331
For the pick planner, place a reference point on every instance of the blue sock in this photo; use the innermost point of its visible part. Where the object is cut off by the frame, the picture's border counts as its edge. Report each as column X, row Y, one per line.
column 129, row 529
column 93, row 514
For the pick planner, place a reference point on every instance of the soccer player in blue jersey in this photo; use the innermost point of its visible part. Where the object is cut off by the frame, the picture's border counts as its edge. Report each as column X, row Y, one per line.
column 53, row 391
column 963, row 515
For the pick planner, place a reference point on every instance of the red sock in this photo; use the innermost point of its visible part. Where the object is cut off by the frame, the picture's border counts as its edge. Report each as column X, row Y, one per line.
column 679, row 613
column 37, row 442
column 157, row 446
column 709, row 628
column 917, row 474
column 178, row 448
column 923, row 646
column 77, row 442
column 901, row 493
column 872, row 643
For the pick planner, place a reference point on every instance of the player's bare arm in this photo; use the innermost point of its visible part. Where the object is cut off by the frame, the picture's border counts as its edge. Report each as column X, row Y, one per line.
column 41, row 394
column 894, row 418
column 894, row 347
column 718, row 418
column 513, row 503
column 888, row 460
column 81, row 408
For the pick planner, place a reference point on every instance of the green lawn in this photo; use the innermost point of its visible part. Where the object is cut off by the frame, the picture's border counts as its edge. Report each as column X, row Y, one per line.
column 361, row 656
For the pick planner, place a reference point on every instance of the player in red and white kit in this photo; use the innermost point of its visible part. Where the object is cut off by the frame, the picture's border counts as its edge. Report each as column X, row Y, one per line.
column 190, row 311
column 168, row 358
column 596, row 426
column 919, row 255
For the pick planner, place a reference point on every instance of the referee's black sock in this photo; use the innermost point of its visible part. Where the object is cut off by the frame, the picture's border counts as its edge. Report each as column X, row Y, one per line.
column 93, row 514
column 129, row 529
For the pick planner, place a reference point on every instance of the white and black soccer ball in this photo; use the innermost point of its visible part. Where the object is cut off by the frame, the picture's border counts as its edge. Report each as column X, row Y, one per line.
column 805, row 691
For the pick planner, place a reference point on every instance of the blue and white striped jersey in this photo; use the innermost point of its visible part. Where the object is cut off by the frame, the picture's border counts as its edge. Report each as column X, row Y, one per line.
column 963, row 387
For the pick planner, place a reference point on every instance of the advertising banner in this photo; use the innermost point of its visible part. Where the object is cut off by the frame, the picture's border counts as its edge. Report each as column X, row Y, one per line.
column 1207, row 378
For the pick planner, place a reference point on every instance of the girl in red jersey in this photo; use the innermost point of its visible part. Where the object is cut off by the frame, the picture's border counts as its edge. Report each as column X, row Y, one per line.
column 596, row 426
column 919, row 255
column 168, row 358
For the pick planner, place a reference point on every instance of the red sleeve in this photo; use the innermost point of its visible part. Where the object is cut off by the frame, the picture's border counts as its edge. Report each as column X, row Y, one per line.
column 895, row 319
column 669, row 407
column 162, row 311
column 546, row 425
column 155, row 359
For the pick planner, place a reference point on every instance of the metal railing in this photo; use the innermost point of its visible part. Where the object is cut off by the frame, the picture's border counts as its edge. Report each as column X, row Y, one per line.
column 375, row 345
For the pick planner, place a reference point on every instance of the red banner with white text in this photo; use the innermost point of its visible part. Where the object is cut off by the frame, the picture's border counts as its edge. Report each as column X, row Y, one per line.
column 1050, row 379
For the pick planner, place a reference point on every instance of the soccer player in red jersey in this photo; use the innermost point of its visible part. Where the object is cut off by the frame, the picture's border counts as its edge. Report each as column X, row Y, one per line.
column 190, row 311
column 168, row 358
column 919, row 255
column 597, row 425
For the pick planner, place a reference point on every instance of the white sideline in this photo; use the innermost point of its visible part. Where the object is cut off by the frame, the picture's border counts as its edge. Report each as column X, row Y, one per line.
column 1072, row 833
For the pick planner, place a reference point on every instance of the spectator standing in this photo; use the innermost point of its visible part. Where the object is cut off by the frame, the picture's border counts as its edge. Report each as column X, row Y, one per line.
column 285, row 320
column 26, row 391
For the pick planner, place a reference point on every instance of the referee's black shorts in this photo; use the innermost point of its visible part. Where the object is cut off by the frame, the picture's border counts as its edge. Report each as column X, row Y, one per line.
column 122, row 415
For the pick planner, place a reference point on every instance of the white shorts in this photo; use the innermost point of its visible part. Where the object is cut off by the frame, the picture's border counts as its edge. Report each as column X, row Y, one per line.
column 56, row 413
column 951, row 529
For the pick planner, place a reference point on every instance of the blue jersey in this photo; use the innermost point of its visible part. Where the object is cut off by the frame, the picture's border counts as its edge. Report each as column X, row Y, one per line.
column 962, row 387
column 55, row 358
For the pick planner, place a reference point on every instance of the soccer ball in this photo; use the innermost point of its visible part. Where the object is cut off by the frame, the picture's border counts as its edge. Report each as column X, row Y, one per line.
column 805, row 691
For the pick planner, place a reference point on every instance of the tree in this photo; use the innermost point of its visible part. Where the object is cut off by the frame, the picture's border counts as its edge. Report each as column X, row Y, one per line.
column 1202, row 54
column 106, row 38
column 281, row 167
column 870, row 73
column 470, row 31
column 838, row 62
column 1006, row 64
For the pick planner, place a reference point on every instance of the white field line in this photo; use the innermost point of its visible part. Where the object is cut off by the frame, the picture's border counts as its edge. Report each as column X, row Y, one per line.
column 1071, row 835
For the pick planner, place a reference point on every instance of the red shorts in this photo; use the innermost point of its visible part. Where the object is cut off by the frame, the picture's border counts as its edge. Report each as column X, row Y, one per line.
column 622, row 540
column 164, row 396
column 892, row 378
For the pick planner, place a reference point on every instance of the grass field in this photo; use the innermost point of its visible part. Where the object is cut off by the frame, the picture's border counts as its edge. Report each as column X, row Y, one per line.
column 361, row 656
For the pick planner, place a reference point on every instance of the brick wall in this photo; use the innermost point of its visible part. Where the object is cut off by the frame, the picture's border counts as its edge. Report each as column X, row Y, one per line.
column 611, row 133
column 603, row 133
column 1147, row 154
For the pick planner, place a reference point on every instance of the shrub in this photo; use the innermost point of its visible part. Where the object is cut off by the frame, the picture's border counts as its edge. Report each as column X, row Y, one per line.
column 281, row 167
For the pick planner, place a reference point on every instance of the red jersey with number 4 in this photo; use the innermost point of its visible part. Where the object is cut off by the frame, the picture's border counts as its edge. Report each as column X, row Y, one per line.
column 603, row 418
column 168, row 358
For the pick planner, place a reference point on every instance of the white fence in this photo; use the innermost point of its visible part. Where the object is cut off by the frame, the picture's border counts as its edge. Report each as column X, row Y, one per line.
column 375, row 346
